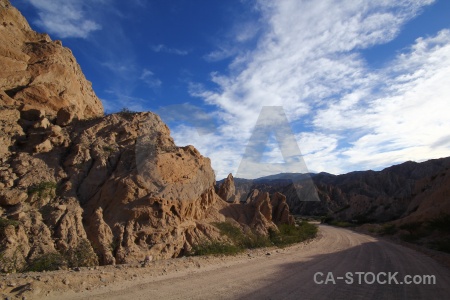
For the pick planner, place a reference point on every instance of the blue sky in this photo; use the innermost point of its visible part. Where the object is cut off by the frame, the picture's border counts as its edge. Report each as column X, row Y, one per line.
column 364, row 84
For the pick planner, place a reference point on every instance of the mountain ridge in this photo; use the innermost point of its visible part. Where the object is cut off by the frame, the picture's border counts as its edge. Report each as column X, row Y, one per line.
column 360, row 195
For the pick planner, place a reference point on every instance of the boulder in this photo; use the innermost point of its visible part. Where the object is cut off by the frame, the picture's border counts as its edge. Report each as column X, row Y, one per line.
column 227, row 190
column 280, row 210
column 65, row 115
column 12, row 197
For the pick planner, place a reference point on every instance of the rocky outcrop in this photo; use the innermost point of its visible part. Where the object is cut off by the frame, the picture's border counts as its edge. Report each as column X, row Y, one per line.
column 227, row 190
column 38, row 73
column 260, row 212
column 119, row 181
column 280, row 210
column 74, row 180
column 390, row 194
column 151, row 192
column 408, row 189
column 431, row 199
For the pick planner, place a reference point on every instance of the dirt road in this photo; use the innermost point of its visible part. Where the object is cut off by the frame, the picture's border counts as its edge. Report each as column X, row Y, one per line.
column 290, row 273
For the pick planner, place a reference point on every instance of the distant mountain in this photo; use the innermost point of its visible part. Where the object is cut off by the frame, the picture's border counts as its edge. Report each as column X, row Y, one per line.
column 362, row 196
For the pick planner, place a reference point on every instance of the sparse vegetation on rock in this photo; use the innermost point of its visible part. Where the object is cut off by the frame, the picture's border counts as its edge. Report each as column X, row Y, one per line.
column 80, row 188
column 239, row 241
column 43, row 189
column 291, row 234
column 47, row 262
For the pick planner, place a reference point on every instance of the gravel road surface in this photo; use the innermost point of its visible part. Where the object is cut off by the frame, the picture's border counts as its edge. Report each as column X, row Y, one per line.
column 308, row 271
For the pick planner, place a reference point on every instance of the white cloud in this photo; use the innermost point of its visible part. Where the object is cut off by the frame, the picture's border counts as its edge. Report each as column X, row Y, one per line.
column 65, row 18
column 119, row 67
column 346, row 115
column 236, row 42
column 165, row 49
column 223, row 53
column 149, row 78
column 411, row 116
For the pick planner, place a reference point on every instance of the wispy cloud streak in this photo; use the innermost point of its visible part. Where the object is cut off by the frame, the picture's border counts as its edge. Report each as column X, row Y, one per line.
column 65, row 18
column 165, row 49
column 346, row 115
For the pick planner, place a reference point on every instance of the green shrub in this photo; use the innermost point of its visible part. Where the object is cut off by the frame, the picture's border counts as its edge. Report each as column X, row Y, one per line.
column 109, row 149
column 253, row 241
column 215, row 247
column 326, row 219
column 286, row 235
column 233, row 247
column 230, row 230
column 43, row 189
column 6, row 222
column 13, row 263
column 126, row 111
column 291, row 234
column 81, row 256
column 241, row 240
column 47, row 262
column 387, row 229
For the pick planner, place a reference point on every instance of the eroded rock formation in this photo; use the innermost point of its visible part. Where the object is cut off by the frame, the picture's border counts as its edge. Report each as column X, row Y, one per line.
column 261, row 212
column 409, row 191
column 119, row 181
column 227, row 190
column 38, row 73
column 71, row 178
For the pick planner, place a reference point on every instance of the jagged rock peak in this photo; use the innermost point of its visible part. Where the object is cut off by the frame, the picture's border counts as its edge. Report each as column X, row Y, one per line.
column 115, row 186
column 4, row 3
column 38, row 73
column 227, row 190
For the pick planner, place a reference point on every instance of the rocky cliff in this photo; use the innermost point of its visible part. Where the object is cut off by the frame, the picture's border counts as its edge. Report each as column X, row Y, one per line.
column 259, row 211
column 110, row 189
column 38, row 73
column 413, row 191
column 227, row 190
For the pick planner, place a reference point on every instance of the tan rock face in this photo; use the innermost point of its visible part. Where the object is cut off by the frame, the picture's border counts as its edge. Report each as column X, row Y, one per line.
column 12, row 197
column 260, row 204
column 38, row 73
column 431, row 199
column 260, row 212
column 280, row 210
column 66, row 115
column 151, row 192
column 118, row 181
column 9, row 127
column 227, row 190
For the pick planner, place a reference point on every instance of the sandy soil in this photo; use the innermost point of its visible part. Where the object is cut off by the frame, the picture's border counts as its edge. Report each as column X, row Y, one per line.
column 259, row 274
